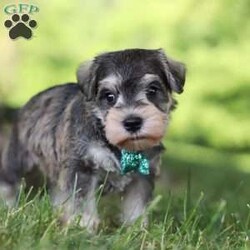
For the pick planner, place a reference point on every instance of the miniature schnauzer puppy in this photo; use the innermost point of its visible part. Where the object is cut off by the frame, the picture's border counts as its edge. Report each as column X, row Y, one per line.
column 74, row 133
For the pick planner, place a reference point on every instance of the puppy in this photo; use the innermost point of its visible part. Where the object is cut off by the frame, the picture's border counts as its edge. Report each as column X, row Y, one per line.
column 74, row 133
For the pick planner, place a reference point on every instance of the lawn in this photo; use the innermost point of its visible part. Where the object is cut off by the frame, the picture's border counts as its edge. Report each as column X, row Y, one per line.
column 200, row 203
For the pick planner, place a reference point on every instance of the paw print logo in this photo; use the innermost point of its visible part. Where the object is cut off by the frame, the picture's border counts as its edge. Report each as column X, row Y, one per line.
column 20, row 26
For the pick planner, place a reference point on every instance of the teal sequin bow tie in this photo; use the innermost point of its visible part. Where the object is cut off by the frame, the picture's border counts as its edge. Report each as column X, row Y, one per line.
column 134, row 161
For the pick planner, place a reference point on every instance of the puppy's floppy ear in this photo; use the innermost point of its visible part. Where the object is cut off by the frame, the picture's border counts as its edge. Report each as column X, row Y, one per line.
column 86, row 78
column 174, row 71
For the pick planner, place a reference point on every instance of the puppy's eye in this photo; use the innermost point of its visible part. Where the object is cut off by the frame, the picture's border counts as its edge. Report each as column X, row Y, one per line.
column 153, row 88
column 110, row 97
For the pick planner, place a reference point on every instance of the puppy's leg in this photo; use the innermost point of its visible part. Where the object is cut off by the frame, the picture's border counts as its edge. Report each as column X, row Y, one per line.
column 76, row 194
column 78, row 181
column 11, row 170
column 87, row 204
column 136, row 197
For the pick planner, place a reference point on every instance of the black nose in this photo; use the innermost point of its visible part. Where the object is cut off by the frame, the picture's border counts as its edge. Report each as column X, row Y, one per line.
column 132, row 123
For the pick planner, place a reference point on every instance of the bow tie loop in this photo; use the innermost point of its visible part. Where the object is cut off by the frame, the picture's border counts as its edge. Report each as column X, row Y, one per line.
column 134, row 161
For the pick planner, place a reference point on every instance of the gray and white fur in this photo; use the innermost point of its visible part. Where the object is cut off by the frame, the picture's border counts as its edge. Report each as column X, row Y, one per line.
column 73, row 133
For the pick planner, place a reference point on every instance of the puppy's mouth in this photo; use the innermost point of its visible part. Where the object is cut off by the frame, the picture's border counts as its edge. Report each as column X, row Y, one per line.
column 137, row 138
column 135, row 143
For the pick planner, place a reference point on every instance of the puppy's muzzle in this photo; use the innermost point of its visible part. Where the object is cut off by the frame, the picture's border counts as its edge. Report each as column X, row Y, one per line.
column 133, row 123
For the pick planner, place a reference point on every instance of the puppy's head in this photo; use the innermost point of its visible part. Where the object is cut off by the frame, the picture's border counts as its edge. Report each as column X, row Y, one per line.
column 132, row 94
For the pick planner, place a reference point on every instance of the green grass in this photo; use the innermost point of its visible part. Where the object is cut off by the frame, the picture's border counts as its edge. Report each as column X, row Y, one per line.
column 200, row 203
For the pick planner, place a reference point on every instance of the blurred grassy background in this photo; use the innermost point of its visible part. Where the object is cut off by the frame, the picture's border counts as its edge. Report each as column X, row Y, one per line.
column 211, row 37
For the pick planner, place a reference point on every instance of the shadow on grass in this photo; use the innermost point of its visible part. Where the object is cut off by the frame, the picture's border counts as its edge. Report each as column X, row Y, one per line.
column 189, row 171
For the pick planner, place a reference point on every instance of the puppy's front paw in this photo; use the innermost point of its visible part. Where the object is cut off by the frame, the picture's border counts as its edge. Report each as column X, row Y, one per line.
column 7, row 194
column 90, row 222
